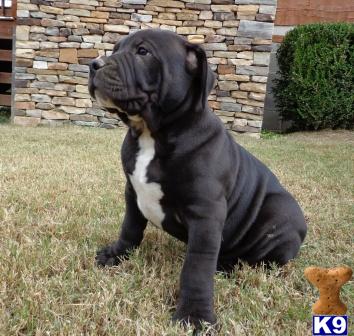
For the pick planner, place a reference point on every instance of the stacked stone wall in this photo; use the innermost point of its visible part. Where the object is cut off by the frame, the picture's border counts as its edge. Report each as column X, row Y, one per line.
column 56, row 40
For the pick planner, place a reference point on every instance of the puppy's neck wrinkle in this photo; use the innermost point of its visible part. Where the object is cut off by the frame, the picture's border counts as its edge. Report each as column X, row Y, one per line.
column 183, row 114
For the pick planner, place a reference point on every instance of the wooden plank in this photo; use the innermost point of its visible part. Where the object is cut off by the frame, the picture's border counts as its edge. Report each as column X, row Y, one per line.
column 6, row 29
column 6, row 55
column 5, row 100
column 295, row 12
column 5, row 77
column 5, row 13
column 14, row 8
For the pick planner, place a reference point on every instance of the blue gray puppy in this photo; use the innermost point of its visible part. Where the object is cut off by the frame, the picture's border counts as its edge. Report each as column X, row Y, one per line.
column 185, row 173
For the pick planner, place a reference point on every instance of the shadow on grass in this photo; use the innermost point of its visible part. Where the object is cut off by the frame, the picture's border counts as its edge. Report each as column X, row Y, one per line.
column 5, row 114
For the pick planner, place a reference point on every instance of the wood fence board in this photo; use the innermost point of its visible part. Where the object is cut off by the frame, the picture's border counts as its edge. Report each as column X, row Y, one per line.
column 295, row 12
column 5, row 77
column 5, row 100
column 5, row 55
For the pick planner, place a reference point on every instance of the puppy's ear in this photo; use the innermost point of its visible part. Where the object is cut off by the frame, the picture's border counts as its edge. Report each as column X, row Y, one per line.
column 203, row 77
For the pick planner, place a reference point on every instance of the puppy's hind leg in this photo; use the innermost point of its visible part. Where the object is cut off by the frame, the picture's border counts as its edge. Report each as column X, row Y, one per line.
column 283, row 228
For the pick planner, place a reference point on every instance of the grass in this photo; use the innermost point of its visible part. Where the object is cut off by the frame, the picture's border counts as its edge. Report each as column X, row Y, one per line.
column 61, row 198
column 5, row 113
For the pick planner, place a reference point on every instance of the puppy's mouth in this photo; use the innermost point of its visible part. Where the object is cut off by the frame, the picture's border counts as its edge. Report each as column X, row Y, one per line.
column 112, row 107
column 115, row 96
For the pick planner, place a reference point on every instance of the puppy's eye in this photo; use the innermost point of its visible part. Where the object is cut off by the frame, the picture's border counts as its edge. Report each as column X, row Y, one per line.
column 142, row 51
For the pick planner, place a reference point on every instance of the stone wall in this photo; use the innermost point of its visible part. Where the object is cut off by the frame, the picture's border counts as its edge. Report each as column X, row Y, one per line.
column 56, row 39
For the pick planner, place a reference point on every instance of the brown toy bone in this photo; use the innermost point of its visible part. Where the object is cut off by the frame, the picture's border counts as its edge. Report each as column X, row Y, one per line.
column 329, row 282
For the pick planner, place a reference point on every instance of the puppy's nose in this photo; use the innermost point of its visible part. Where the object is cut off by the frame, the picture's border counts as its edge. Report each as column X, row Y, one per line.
column 97, row 63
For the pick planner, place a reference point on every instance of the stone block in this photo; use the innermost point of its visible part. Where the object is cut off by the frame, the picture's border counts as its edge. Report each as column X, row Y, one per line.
column 67, row 101
column 26, row 121
column 197, row 39
column 227, row 85
column 134, row 2
column 52, row 23
column 83, row 103
column 261, row 58
column 214, row 38
column 227, row 31
column 257, row 96
column 215, row 46
column 68, row 56
column 72, row 109
column 212, row 24
column 186, row 30
column 83, row 117
column 255, row 87
column 22, row 33
column 22, row 13
column 116, row 28
column 167, row 3
column 252, row 70
column 34, row 113
column 222, row 16
column 86, row 123
column 77, row 12
column 245, row 129
column 108, row 121
column 230, row 107
column 40, row 98
column 53, row 93
column 40, row 65
column 233, row 77
column 255, row 29
column 206, row 15
column 187, row 16
column 96, row 111
column 45, row 106
column 27, row 44
column 224, row 8
column 57, row 66
column 265, row 17
column 82, row 89
column 226, row 69
column 260, row 79
column 256, row 2
column 141, row 17
column 99, row 15
column 255, row 123
column 240, row 122
column 250, row 102
column 69, row 45
column 264, row 48
column 51, row 10
column 264, row 9
column 22, row 97
column 48, row 78
column 55, row 115
column 245, row 55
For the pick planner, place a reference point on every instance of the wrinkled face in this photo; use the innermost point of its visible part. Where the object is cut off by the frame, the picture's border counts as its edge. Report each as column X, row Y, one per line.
column 150, row 74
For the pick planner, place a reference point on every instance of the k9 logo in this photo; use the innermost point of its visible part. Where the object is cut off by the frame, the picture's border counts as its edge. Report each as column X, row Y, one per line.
column 329, row 325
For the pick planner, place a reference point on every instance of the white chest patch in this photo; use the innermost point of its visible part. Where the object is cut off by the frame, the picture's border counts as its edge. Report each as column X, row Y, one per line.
column 148, row 194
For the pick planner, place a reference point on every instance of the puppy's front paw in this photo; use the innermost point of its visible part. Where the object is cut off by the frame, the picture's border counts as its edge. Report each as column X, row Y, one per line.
column 107, row 257
column 195, row 314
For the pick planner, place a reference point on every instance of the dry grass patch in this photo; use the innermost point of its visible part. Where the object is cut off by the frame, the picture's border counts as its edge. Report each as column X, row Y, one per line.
column 61, row 198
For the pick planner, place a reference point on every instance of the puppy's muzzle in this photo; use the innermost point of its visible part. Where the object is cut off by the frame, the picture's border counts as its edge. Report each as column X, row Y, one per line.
column 95, row 65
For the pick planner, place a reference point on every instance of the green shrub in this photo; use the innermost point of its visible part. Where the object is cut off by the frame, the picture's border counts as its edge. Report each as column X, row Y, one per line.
column 315, row 87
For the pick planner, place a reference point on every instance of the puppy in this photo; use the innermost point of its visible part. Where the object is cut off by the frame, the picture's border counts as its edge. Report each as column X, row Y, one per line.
column 185, row 173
